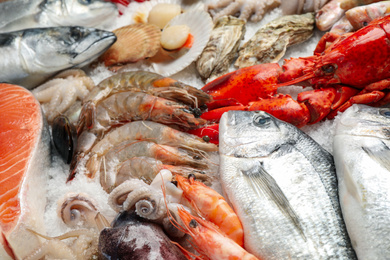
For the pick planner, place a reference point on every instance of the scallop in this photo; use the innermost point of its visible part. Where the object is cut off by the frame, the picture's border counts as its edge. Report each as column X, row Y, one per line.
column 134, row 42
column 174, row 36
column 161, row 14
column 141, row 13
column 200, row 25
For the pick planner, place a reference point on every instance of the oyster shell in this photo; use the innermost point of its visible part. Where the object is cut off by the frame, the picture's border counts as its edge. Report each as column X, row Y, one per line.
column 134, row 42
column 270, row 42
column 222, row 47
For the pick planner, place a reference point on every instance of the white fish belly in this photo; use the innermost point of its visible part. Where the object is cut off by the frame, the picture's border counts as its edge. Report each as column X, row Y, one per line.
column 364, row 187
column 269, row 233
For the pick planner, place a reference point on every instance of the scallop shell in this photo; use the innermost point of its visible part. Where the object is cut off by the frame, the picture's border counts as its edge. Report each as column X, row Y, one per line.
column 140, row 15
column 134, row 42
column 201, row 25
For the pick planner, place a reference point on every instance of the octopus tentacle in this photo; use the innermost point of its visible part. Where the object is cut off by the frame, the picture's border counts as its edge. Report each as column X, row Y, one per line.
column 119, row 194
column 253, row 9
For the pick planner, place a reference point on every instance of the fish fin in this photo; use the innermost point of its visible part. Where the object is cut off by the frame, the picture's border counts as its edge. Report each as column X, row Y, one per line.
column 381, row 155
column 261, row 181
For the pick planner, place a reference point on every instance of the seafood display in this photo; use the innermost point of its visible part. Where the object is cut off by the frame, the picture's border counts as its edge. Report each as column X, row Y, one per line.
column 24, row 159
column 283, row 187
column 132, row 134
column 270, row 42
column 22, row 14
column 31, row 56
column 363, row 174
column 326, row 70
column 222, row 47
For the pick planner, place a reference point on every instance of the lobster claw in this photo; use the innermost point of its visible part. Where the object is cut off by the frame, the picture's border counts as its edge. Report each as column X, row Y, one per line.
column 246, row 84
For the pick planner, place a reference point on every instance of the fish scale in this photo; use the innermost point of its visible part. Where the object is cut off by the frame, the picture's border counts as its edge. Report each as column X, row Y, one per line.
column 361, row 150
column 306, row 221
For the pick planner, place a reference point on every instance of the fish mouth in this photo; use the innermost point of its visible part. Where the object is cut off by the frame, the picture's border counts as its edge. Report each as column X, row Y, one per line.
column 94, row 50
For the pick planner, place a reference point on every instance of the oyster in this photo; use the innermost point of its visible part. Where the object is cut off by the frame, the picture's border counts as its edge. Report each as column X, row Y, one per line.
column 222, row 47
column 271, row 41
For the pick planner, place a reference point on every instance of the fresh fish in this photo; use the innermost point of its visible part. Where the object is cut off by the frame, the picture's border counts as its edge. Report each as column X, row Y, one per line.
column 24, row 143
column 362, row 158
column 270, row 42
column 283, row 187
column 222, row 47
column 22, row 14
column 29, row 57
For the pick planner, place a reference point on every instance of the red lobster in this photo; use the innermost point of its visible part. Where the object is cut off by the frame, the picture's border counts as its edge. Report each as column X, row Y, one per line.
column 353, row 69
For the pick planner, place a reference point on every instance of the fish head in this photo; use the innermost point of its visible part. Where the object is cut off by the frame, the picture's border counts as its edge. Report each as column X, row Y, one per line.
column 253, row 134
column 89, row 13
column 46, row 50
column 363, row 120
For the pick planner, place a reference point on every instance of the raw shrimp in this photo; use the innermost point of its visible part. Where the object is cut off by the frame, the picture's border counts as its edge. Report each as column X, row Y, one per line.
column 150, row 83
column 146, row 169
column 209, row 240
column 213, row 207
column 110, row 162
column 123, row 107
column 154, row 132
column 139, row 130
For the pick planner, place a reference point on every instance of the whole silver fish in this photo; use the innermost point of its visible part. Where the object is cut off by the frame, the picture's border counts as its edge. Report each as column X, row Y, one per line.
column 22, row 14
column 270, row 42
column 362, row 156
column 222, row 47
column 283, row 187
column 29, row 57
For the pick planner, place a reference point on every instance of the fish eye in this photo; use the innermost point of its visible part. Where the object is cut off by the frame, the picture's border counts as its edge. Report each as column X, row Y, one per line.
column 365, row 23
column 328, row 69
column 85, row 2
column 385, row 113
column 261, row 120
column 75, row 34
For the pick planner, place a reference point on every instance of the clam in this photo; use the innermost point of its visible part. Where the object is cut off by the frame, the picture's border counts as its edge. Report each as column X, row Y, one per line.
column 134, row 42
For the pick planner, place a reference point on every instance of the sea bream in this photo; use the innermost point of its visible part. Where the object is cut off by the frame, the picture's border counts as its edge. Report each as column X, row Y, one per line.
column 361, row 149
column 283, row 187
column 29, row 57
column 22, row 14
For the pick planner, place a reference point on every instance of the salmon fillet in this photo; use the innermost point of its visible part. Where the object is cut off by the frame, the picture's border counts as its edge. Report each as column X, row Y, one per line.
column 24, row 156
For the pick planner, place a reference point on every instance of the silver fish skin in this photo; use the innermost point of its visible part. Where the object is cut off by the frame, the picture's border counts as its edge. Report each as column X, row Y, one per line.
column 31, row 56
column 283, row 187
column 361, row 149
column 22, row 14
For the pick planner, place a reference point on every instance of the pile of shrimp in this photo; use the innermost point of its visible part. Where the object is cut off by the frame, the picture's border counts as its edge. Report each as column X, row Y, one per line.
column 130, row 127
column 132, row 140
